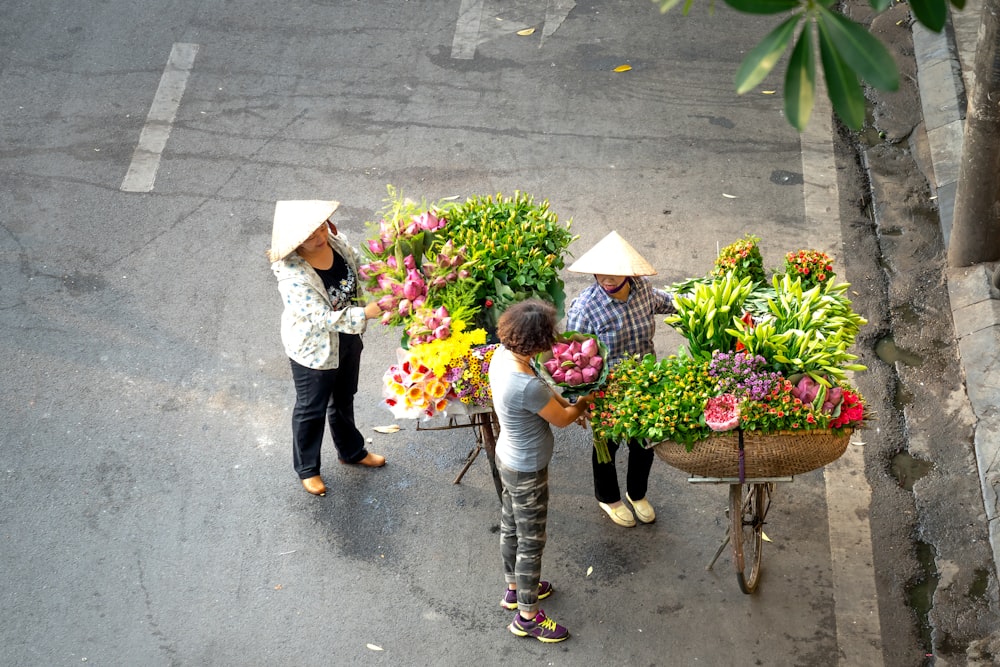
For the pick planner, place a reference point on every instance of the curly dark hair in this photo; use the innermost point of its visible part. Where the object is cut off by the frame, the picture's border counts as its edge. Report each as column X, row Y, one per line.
column 528, row 327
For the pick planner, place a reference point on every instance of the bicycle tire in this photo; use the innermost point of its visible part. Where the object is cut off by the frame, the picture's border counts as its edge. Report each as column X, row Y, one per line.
column 747, row 508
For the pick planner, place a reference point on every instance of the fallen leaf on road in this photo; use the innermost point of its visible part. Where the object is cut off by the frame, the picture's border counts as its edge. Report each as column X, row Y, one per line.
column 391, row 428
column 590, row 570
column 525, row 32
column 623, row 68
column 764, row 536
column 374, row 647
column 728, row 196
column 767, row 92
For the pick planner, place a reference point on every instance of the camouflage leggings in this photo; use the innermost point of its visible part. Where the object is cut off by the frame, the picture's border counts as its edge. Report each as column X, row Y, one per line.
column 522, row 531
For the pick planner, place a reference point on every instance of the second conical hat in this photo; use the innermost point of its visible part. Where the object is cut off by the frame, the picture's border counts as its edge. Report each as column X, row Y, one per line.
column 613, row 256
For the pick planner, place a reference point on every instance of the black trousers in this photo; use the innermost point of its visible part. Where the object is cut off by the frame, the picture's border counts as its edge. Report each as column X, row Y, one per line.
column 322, row 396
column 640, row 462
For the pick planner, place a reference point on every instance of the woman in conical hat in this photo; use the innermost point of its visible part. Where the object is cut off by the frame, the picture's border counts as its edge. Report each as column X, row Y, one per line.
column 321, row 327
column 620, row 308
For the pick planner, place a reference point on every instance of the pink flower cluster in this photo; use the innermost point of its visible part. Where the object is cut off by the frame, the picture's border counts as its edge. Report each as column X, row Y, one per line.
column 402, row 290
column 391, row 232
column 575, row 362
column 722, row 413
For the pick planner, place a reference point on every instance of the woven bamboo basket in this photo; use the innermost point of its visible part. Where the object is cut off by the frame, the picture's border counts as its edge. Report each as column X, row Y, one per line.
column 765, row 454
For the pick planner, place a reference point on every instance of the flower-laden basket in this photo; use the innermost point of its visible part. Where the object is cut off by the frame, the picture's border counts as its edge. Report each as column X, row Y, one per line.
column 764, row 454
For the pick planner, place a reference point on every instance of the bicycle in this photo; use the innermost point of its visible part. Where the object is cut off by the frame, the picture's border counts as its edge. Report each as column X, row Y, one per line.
column 749, row 502
column 751, row 464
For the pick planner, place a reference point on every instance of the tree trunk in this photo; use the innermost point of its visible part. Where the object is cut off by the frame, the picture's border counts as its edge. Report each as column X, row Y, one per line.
column 975, row 232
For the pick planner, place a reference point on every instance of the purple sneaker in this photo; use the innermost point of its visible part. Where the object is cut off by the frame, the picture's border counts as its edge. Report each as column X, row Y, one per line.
column 509, row 600
column 543, row 629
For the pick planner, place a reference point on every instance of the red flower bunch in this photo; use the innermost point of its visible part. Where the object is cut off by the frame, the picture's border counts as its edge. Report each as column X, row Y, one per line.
column 852, row 411
column 812, row 266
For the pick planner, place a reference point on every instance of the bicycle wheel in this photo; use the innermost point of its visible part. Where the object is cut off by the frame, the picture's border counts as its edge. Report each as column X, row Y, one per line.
column 747, row 509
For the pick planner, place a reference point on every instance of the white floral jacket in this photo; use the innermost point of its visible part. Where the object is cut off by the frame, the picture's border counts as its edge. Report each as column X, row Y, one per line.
column 309, row 325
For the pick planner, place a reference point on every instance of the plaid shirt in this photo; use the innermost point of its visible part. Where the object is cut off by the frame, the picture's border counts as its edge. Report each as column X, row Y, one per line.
column 626, row 327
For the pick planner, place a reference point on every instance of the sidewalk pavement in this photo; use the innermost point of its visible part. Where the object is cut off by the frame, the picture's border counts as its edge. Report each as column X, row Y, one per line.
column 944, row 64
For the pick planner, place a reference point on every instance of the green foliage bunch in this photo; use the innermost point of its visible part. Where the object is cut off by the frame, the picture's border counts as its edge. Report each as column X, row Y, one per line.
column 514, row 250
column 706, row 316
column 805, row 331
column 654, row 400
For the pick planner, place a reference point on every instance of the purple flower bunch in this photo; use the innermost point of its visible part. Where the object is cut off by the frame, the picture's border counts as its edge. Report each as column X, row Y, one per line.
column 742, row 374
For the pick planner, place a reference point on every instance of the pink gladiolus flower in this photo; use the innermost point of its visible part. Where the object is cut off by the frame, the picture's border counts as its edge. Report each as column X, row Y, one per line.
column 410, row 263
column 391, row 261
column 376, row 246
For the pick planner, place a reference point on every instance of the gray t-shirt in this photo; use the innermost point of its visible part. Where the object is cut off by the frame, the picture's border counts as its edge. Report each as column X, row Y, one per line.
column 525, row 443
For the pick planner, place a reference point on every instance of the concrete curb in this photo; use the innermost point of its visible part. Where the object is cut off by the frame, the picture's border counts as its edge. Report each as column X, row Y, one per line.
column 974, row 305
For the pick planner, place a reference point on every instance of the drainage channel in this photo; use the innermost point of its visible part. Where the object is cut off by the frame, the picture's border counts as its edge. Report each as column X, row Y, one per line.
column 907, row 470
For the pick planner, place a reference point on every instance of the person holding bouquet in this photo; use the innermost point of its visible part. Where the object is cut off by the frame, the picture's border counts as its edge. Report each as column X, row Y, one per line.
column 620, row 308
column 526, row 407
column 321, row 327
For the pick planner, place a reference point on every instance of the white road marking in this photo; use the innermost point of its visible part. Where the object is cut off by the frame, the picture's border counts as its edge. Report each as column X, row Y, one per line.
column 470, row 15
column 469, row 29
column 848, row 495
column 146, row 159
column 556, row 12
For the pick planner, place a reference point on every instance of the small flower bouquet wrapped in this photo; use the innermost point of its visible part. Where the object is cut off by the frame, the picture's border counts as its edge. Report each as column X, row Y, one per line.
column 575, row 365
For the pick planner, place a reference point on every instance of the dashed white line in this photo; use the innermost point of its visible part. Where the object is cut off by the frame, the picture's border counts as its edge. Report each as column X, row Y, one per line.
column 141, row 173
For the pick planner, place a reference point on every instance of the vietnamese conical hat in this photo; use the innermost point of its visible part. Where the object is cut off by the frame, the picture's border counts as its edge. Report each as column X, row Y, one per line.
column 294, row 222
column 613, row 256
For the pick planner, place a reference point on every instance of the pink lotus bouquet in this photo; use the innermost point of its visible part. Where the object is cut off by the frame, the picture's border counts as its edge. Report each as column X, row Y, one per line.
column 575, row 364
column 422, row 290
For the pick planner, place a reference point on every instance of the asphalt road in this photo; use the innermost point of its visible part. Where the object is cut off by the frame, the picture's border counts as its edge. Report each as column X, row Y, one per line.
column 150, row 514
